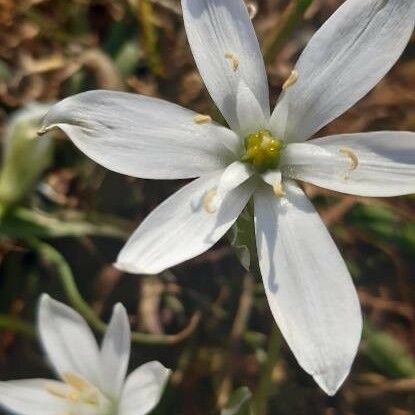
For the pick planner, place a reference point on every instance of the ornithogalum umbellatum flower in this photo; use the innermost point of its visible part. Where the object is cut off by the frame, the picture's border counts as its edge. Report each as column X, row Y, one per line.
column 261, row 155
column 92, row 380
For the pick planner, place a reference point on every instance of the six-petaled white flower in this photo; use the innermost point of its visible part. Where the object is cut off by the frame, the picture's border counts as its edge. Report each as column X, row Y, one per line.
column 92, row 380
column 307, row 284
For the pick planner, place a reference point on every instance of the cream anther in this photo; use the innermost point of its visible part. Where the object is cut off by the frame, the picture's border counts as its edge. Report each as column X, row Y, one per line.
column 57, row 390
column 292, row 79
column 279, row 190
column 233, row 59
column 202, row 119
column 77, row 389
column 209, row 201
column 252, row 9
column 351, row 155
column 76, row 381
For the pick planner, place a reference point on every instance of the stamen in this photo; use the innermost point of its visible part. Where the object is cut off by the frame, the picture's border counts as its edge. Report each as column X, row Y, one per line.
column 349, row 153
column 202, row 119
column 292, row 79
column 90, row 397
column 77, row 391
column 82, row 390
column 234, row 60
column 209, row 201
column 56, row 390
column 252, row 9
column 76, row 381
column 73, row 396
column 279, row 190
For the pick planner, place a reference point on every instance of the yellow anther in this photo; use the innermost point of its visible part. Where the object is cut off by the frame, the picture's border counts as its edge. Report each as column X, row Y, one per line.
column 292, row 79
column 209, row 201
column 202, row 119
column 233, row 59
column 351, row 155
column 278, row 189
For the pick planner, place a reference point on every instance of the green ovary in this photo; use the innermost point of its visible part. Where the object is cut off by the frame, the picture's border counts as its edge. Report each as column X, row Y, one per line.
column 263, row 150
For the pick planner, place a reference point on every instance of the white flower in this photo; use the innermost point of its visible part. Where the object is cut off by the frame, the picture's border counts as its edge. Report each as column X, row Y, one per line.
column 309, row 289
column 92, row 379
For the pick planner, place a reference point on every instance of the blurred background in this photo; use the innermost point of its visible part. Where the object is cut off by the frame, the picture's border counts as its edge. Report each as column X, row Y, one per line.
column 63, row 218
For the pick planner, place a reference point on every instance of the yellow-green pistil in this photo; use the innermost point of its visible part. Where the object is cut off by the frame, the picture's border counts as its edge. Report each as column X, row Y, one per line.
column 263, row 150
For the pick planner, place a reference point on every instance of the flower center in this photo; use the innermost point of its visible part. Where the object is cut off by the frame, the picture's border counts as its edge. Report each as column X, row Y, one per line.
column 82, row 397
column 263, row 150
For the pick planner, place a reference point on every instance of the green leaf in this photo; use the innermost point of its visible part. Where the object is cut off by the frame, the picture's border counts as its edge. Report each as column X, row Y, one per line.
column 127, row 58
column 239, row 403
column 387, row 353
column 385, row 225
column 26, row 223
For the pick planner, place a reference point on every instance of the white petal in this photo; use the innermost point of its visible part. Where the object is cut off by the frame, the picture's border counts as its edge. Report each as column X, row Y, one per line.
column 67, row 340
column 272, row 177
column 366, row 164
column 226, row 51
column 143, row 389
column 309, row 289
column 115, row 352
column 232, row 177
column 344, row 60
column 30, row 397
column 250, row 115
column 142, row 136
column 183, row 226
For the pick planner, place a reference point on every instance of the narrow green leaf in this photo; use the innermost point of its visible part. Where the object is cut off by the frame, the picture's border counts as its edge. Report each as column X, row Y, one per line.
column 239, row 403
column 26, row 223
column 387, row 353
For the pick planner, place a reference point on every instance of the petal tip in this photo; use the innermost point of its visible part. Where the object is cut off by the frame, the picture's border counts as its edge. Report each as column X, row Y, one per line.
column 69, row 110
column 44, row 306
column 119, row 312
column 43, row 130
column 119, row 308
column 44, row 297
column 46, row 301
column 56, row 115
column 134, row 268
column 159, row 368
column 331, row 381
column 124, row 267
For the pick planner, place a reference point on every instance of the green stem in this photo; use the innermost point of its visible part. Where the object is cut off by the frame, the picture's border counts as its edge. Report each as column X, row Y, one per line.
column 289, row 21
column 233, row 343
column 260, row 399
column 243, row 240
column 149, row 36
column 16, row 325
column 64, row 273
